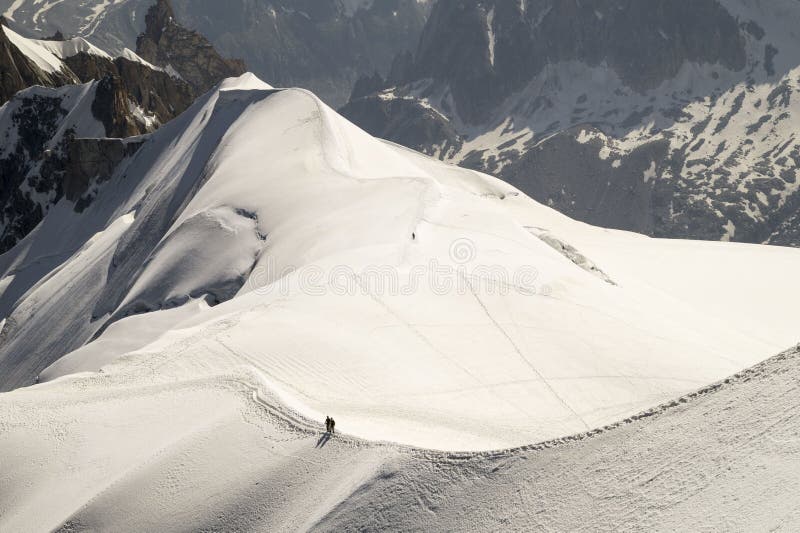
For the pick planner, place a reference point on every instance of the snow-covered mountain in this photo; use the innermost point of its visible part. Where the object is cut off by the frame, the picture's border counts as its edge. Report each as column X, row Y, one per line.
column 322, row 45
column 253, row 196
column 670, row 118
column 261, row 262
column 64, row 99
column 57, row 141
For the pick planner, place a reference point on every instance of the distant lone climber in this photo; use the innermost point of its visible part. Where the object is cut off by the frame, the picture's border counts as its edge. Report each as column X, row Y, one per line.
column 328, row 424
column 413, row 236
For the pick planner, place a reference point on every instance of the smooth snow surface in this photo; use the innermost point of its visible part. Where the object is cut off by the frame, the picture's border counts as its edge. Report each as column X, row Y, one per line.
column 115, row 452
column 260, row 242
column 70, row 47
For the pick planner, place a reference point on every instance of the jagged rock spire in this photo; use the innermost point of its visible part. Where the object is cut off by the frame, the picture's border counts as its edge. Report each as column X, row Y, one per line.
column 168, row 44
column 158, row 18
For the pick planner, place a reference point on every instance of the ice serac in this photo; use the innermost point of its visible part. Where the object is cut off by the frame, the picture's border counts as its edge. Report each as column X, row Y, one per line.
column 168, row 44
column 670, row 118
column 420, row 302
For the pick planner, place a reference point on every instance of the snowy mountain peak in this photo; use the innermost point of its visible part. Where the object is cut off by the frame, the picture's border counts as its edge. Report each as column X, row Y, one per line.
column 261, row 215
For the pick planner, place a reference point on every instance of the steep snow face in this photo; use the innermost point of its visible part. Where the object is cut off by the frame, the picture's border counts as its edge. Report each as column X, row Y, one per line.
column 43, row 56
column 50, row 55
column 70, row 47
column 418, row 302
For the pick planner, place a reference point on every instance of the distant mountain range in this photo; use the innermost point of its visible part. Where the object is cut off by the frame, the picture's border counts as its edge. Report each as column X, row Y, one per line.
column 673, row 118
column 323, row 45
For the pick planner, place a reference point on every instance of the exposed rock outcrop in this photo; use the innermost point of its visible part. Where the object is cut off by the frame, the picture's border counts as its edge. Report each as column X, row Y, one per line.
column 112, row 107
column 156, row 92
column 170, row 45
column 92, row 162
column 31, row 169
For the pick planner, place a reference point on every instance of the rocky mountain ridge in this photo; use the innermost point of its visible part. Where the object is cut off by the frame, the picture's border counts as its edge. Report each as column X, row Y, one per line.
column 62, row 137
column 168, row 44
column 323, row 46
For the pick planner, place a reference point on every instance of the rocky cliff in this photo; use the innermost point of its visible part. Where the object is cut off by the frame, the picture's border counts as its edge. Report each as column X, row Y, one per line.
column 53, row 132
column 168, row 44
column 159, row 95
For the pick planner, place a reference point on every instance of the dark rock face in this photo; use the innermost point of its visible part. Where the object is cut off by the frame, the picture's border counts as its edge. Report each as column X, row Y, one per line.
column 324, row 46
column 486, row 50
column 578, row 183
column 404, row 121
column 166, row 43
column 37, row 119
column 93, row 161
column 111, row 107
column 367, row 85
column 17, row 72
column 155, row 91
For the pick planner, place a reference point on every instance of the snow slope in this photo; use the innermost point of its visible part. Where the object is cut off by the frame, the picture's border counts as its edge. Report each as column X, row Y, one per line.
column 133, row 450
column 262, row 230
column 49, row 55
column 261, row 262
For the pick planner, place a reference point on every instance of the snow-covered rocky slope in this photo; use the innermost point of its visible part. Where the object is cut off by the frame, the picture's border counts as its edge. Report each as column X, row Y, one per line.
column 669, row 118
column 64, row 98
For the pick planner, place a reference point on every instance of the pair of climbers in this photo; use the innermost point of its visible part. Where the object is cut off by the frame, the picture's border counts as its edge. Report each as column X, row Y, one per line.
column 330, row 424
